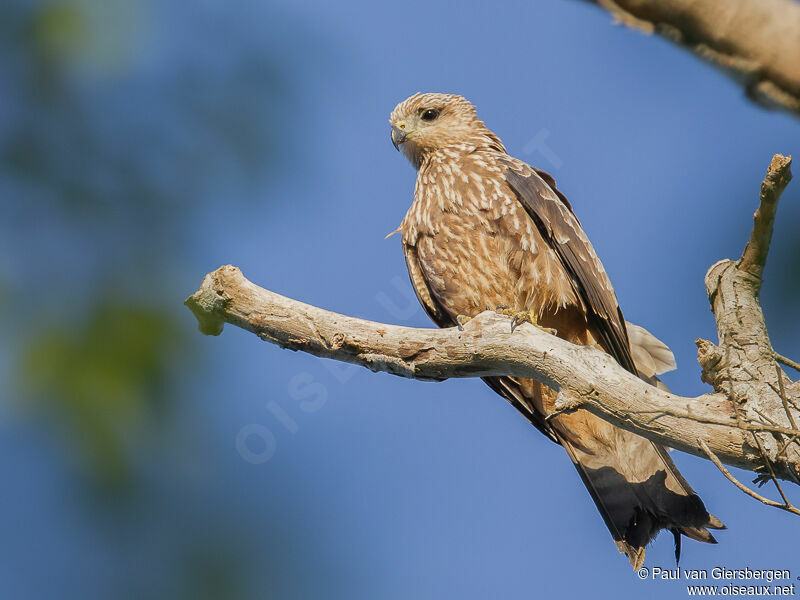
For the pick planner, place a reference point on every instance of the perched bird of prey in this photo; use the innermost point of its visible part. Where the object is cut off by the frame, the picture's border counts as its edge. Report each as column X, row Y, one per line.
column 487, row 230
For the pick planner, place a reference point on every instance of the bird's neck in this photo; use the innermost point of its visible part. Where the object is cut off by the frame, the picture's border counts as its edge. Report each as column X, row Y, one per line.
column 483, row 139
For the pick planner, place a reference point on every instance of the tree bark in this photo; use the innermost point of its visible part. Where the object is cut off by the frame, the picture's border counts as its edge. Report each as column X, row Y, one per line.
column 750, row 421
column 755, row 42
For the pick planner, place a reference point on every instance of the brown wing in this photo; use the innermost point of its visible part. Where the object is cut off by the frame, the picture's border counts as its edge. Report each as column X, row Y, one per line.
column 435, row 311
column 561, row 230
column 507, row 387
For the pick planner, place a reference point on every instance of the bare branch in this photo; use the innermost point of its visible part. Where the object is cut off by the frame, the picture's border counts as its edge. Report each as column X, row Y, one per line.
column 755, row 42
column 750, row 421
column 588, row 378
column 744, row 366
column 787, row 362
column 778, row 176
column 786, row 506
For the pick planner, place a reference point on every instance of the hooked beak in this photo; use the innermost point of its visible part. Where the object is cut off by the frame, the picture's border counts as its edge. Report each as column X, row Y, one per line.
column 398, row 137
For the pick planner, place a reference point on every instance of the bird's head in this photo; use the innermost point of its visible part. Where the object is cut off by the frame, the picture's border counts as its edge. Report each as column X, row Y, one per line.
column 425, row 123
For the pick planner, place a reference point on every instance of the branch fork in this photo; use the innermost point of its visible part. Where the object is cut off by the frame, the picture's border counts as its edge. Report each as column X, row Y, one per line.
column 749, row 421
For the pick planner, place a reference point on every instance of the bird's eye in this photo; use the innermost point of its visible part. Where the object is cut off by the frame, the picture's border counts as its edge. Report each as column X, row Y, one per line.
column 430, row 114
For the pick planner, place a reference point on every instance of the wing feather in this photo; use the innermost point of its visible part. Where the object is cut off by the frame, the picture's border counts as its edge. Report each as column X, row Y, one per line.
column 557, row 224
column 435, row 311
column 505, row 386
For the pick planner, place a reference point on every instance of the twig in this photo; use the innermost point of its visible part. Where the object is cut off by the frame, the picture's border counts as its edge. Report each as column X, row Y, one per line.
column 771, row 470
column 787, row 362
column 484, row 348
column 739, row 365
column 778, row 176
column 785, row 399
column 713, row 458
column 585, row 377
column 783, row 448
column 766, row 418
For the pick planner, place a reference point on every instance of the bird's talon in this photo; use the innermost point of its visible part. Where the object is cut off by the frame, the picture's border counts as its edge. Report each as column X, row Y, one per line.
column 525, row 316
column 462, row 320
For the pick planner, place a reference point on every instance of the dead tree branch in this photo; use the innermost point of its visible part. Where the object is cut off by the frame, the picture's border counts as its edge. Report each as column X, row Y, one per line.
column 755, row 42
column 785, row 506
column 744, row 364
column 750, row 421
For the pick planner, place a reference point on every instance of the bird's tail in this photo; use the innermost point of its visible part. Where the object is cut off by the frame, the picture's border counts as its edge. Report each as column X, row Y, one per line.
column 639, row 491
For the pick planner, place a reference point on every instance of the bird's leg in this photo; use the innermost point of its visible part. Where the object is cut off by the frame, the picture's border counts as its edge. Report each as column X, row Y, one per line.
column 524, row 316
column 462, row 320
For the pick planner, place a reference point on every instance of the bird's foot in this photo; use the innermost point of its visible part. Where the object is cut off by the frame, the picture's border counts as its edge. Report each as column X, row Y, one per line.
column 520, row 317
column 462, row 320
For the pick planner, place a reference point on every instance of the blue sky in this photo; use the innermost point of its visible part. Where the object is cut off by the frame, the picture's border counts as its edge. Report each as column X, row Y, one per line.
column 379, row 487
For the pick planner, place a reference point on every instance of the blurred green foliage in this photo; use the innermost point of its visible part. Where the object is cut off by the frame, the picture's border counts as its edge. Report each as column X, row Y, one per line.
column 58, row 32
column 103, row 377
column 121, row 124
column 108, row 148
